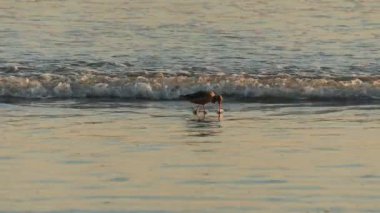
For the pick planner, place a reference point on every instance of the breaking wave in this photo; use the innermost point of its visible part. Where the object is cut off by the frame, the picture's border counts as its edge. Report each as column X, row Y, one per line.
column 166, row 86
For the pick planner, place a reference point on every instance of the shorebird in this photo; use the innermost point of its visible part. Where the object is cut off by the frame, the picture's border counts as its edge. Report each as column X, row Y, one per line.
column 202, row 98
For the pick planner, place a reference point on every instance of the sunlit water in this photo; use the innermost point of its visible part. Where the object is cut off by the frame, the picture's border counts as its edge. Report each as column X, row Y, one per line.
column 91, row 121
column 230, row 35
column 157, row 157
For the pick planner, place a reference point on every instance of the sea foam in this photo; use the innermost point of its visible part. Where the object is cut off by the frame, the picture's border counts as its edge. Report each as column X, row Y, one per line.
column 160, row 86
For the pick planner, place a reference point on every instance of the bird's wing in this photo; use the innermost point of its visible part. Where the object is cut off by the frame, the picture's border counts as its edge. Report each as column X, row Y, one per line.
column 196, row 95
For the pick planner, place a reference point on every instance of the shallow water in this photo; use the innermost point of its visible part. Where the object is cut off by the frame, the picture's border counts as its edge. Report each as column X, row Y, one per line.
column 104, row 156
column 91, row 121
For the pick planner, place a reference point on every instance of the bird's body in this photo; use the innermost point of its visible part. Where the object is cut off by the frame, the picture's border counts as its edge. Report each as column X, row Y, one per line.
column 201, row 97
column 204, row 97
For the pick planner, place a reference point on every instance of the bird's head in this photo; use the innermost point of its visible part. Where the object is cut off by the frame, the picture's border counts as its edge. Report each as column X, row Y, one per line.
column 219, row 99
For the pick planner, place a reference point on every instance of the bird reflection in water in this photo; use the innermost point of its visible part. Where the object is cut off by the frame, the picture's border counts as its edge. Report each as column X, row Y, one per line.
column 201, row 115
column 203, row 128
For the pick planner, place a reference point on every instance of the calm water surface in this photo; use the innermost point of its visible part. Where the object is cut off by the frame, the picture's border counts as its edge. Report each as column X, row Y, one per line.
column 157, row 157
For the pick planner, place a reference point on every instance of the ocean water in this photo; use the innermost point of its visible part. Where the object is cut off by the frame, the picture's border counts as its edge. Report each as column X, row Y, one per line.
column 91, row 119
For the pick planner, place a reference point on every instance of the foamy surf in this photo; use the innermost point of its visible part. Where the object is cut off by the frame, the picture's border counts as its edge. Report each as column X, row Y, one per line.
column 161, row 86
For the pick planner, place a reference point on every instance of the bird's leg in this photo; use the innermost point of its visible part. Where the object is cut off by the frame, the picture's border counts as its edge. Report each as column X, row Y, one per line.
column 195, row 111
column 204, row 110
